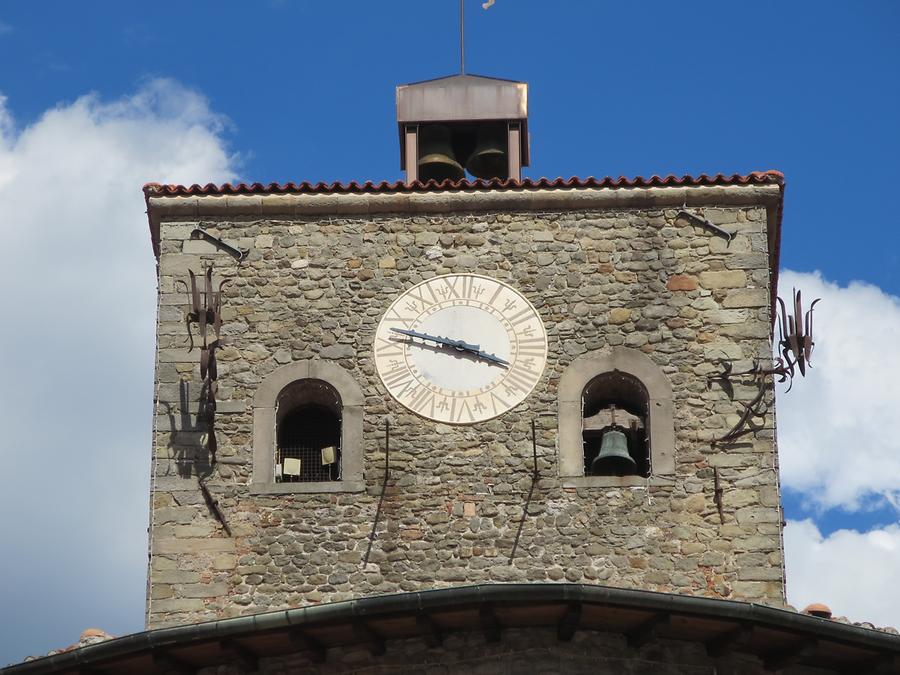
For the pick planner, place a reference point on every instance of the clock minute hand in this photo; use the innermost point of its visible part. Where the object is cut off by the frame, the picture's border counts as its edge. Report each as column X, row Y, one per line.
column 475, row 350
column 492, row 359
column 456, row 344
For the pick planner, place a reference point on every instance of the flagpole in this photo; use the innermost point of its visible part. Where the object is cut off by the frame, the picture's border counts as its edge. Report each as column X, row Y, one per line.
column 462, row 37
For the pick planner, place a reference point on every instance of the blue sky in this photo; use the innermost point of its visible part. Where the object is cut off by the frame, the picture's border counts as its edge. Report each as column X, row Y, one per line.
column 102, row 96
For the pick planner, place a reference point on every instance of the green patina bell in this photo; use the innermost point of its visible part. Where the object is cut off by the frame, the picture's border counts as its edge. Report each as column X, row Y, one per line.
column 436, row 158
column 613, row 458
column 489, row 159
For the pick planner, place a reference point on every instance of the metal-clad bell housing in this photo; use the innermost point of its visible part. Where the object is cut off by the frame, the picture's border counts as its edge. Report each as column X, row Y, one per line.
column 486, row 119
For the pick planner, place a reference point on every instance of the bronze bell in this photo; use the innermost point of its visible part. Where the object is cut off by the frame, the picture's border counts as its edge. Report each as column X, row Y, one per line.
column 489, row 159
column 436, row 157
column 613, row 458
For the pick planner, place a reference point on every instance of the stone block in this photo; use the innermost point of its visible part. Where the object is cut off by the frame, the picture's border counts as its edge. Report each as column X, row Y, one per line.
column 201, row 247
column 177, row 515
column 203, row 590
column 746, row 297
column 159, row 591
column 619, row 315
column 426, row 238
column 740, row 243
column 725, row 316
column 193, row 545
column 174, row 577
column 178, row 265
column 177, row 605
column 169, row 231
column 751, row 590
column 720, row 216
column 747, row 261
column 682, row 282
column 339, row 351
column 723, row 279
column 748, row 329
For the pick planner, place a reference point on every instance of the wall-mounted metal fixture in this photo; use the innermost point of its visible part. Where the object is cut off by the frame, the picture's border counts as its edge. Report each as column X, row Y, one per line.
column 795, row 343
column 206, row 314
column 700, row 221
column 233, row 251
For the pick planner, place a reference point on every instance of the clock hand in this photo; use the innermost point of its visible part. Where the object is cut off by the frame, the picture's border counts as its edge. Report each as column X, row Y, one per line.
column 492, row 359
column 456, row 344
column 459, row 345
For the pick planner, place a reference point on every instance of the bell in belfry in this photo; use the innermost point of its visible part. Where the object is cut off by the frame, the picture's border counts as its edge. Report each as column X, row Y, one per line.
column 613, row 458
column 436, row 156
column 489, row 159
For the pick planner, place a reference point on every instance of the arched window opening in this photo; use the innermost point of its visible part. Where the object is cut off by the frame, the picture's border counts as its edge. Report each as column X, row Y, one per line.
column 615, row 426
column 308, row 436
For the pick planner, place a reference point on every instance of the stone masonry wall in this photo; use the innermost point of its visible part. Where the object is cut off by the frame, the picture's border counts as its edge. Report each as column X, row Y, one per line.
column 315, row 288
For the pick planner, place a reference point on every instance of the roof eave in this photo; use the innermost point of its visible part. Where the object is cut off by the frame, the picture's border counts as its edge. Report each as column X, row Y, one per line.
column 867, row 642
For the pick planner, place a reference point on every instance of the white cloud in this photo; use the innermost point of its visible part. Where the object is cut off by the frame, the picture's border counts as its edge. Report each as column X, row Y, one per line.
column 76, row 352
column 839, row 428
column 854, row 573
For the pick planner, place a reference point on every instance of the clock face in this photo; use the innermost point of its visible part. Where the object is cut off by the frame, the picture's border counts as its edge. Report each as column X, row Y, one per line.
column 460, row 348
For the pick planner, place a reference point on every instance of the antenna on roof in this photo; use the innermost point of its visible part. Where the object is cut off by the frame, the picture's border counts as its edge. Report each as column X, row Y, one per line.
column 462, row 37
column 462, row 32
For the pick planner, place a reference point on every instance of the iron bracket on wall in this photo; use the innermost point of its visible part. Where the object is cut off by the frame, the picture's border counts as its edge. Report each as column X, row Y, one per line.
column 704, row 223
column 717, row 495
column 795, row 344
column 233, row 251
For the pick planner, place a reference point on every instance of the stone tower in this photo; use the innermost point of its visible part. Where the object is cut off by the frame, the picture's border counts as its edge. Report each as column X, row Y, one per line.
column 418, row 386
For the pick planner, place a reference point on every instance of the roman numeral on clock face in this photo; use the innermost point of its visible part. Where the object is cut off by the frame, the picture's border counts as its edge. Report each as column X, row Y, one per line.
column 423, row 402
column 520, row 380
column 388, row 347
column 395, row 379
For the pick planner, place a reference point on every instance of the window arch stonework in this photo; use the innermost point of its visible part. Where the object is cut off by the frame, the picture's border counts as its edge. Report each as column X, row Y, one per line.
column 661, row 426
column 265, row 407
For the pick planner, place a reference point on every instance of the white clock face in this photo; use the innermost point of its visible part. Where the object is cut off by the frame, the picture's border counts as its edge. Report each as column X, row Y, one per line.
column 460, row 348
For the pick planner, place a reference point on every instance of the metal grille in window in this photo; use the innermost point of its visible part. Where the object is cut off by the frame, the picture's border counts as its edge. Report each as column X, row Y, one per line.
column 309, row 446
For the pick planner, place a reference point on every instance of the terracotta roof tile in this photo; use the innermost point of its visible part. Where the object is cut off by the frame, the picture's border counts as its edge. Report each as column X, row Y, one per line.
column 754, row 178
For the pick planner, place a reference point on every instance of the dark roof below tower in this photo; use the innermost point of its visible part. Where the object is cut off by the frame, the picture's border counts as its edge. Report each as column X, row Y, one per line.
column 777, row 637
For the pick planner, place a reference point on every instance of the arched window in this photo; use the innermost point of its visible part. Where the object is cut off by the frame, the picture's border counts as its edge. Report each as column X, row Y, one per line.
column 614, row 429
column 307, row 430
column 616, row 422
column 308, row 445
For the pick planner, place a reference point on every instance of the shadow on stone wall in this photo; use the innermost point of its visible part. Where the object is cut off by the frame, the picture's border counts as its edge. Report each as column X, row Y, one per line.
column 187, row 438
